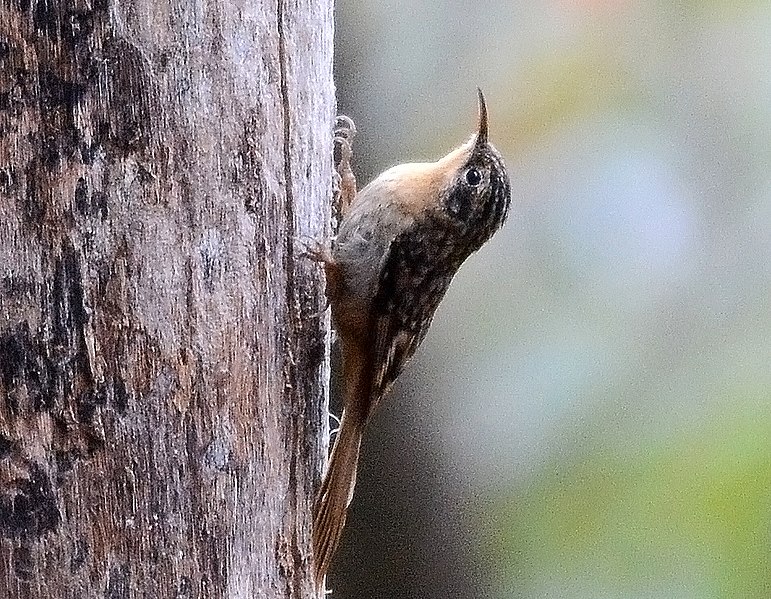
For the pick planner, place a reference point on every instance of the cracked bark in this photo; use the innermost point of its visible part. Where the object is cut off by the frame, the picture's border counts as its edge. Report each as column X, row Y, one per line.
column 163, row 363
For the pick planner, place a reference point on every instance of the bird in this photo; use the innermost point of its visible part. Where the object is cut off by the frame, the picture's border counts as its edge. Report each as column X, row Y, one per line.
column 400, row 242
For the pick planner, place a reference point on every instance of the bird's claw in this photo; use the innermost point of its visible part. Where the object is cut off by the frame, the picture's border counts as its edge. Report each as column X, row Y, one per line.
column 345, row 187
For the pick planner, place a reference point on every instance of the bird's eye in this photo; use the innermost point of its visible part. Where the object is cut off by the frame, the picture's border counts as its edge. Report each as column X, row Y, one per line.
column 473, row 177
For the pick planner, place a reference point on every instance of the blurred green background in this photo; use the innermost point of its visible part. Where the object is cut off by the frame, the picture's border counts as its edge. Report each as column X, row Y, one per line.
column 590, row 415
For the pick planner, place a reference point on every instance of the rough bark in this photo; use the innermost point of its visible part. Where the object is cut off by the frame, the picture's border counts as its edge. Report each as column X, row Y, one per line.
column 163, row 345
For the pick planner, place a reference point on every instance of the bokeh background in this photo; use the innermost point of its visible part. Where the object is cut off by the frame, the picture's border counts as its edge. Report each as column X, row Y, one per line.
column 590, row 415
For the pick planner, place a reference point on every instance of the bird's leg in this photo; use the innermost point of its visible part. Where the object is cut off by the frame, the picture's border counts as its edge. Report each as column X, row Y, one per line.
column 321, row 252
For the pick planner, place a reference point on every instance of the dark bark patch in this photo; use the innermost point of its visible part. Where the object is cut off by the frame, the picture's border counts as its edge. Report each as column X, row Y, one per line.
column 21, row 5
column 52, row 365
column 14, row 348
column 65, row 462
column 119, row 583
column 88, row 151
column 23, row 84
column 120, row 395
column 45, row 18
column 80, row 551
column 89, row 204
column 33, row 206
column 17, row 287
column 88, row 403
column 23, row 563
column 52, row 150
column 68, row 317
column 79, row 25
column 56, row 92
column 99, row 204
column 7, row 446
column 58, row 99
column 127, row 118
column 28, row 506
column 81, row 196
column 17, row 86
column 23, row 367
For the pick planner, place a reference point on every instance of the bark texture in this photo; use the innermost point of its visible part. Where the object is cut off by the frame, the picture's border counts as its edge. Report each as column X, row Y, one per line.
column 163, row 345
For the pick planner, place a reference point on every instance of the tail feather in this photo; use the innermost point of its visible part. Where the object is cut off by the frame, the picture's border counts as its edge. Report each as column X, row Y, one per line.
column 335, row 495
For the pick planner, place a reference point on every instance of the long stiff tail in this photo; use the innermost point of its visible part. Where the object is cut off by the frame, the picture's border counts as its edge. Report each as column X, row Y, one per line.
column 335, row 494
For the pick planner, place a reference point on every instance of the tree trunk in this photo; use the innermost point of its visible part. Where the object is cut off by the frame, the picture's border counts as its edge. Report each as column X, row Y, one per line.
column 163, row 344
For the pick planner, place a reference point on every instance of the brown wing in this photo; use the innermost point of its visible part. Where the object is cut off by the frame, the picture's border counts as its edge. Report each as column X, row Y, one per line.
column 417, row 270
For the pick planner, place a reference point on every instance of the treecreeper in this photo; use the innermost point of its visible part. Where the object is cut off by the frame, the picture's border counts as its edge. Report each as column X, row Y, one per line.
column 400, row 242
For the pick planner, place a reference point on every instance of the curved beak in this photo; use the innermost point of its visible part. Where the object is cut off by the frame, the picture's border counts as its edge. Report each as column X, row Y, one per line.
column 481, row 139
